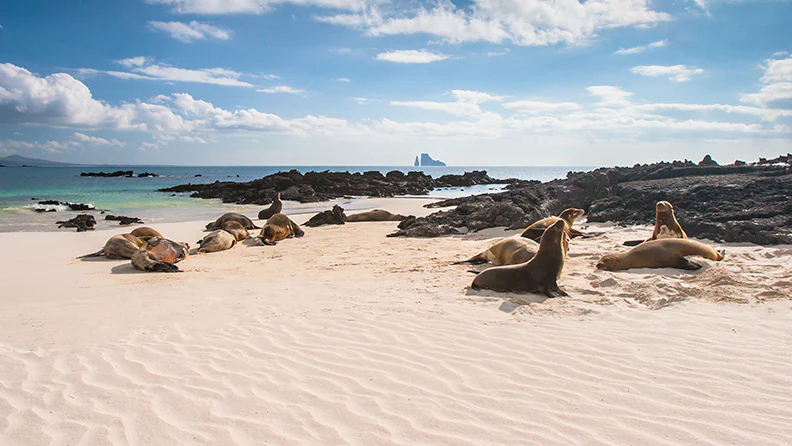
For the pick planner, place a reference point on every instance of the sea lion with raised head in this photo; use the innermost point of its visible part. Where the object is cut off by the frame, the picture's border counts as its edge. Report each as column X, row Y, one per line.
column 160, row 255
column 509, row 251
column 217, row 240
column 121, row 246
column 277, row 228
column 236, row 229
column 144, row 233
column 275, row 208
column 538, row 275
column 375, row 215
column 534, row 232
column 231, row 216
column 666, row 225
column 664, row 253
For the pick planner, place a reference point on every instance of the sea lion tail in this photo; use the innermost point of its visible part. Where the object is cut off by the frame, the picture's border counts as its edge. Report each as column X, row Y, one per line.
column 632, row 242
column 475, row 260
column 99, row 253
column 721, row 254
column 473, row 271
column 163, row 267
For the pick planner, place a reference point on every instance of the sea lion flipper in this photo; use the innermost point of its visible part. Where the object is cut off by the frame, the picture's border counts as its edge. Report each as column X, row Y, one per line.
column 684, row 263
column 163, row 267
column 632, row 242
column 99, row 253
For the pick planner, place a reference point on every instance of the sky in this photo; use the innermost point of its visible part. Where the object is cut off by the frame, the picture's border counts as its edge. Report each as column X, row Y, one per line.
column 376, row 82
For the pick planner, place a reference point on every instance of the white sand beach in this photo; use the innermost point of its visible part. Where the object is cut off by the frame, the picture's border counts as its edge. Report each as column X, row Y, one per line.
column 346, row 336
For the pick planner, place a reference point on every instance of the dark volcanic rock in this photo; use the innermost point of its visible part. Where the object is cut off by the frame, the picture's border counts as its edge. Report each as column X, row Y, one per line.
column 335, row 216
column 147, row 174
column 72, row 206
column 708, row 161
column 83, row 222
column 123, row 221
column 117, row 173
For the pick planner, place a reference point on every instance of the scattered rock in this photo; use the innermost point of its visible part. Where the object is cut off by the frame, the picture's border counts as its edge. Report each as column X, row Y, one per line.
column 147, row 174
column 123, row 221
column 71, row 206
column 83, row 222
column 708, row 161
column 335, row 216
column 117, row 173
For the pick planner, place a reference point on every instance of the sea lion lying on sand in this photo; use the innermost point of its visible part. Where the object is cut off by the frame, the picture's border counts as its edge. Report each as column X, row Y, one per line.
column 539, row 275
column 121, row 246
column 231, row 216
column 275, row 208
column 534, row 232
column 236, row 229
column 144, row 233
column 217, row 240
column 509, row 251
column 666, row 225
column 375, row 215
column 277, row 228
column 665, row 253
column 160, row 255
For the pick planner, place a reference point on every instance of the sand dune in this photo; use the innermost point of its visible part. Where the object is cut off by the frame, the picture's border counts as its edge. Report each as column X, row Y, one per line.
column 348, row 337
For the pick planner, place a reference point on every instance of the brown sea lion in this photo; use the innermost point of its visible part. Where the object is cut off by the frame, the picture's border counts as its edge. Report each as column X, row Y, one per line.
column 534, row 232
column 236, row 229
column 664, row 253
column 375, row 215
column 217, row 240
column 121, row 246
column 231, row 216
column 275, row 208
column 145, row 233
column 277, row 228
column 539, row 275
column 509, row 251
column 160, row 255
column 666, row 225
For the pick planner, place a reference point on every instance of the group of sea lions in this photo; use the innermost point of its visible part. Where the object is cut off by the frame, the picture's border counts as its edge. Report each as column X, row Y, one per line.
column 522, row 265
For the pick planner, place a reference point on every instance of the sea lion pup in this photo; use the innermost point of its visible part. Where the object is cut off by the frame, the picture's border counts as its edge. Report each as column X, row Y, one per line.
column 664, row 253
column 277, row 228
column 539, row 275
column 375, row 215
column 160, row 255
column 236, row 229
column 231, row 216
column 145, row 233
column 666, row 225
column 534, row 232
column 509, row 251
column 217, row 240
column 275, row 208
column 121, row 246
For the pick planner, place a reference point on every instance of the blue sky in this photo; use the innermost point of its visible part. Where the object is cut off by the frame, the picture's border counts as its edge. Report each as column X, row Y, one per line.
column 374, row 82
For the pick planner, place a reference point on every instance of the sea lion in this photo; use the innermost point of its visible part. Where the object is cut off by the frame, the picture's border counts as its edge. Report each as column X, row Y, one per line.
column 277, row 228
column 538, row 275
column 509, row 251
column 534, row 232
column 236, row 229
column 231, row 216
column 121, row 246
column 217, row 240
column 664, row 253
column 160, row 255
column 666, row 225
column 275, row 208
column 375, row 215
column 144, row 233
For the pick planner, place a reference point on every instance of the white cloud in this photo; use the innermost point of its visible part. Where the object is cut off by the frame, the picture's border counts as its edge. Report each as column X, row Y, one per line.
column 539, row 107
column 642, row 48
column 777, row 80
column 411, row 56
column 52, row 146
column 767, row 114
column 498, row 53
column 675, row 73
column 192, row 139
column 190, row 32
column 142, row 68
column 250, row 6
column 361, row 101
column 97, row 140
column 343, row 79
column 281, row 89
column 610, row 96
column 466, row 103
column 342, row 50
column 132, row 62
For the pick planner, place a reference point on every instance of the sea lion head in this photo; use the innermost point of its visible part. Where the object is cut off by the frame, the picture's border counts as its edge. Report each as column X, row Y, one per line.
column 553, row 236
column 664, row 212
column 610, row 262
column 571, row 214
column 267, row 234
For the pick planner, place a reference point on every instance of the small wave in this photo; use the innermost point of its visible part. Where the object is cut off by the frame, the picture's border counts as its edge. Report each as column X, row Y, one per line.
column 46, row 207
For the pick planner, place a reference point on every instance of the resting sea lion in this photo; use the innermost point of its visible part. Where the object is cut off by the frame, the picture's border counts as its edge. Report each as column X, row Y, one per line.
column 121, row 246
column 534, row 232
column 160, row 255
column 217, row 240
column 274, row 208
column 539, row 275
column 375, row 215
column 236, row 229
column 509, row 251
column 666, row 225
column 144, row 233
column 279, row 227
column 231, row 216
column 665, row 253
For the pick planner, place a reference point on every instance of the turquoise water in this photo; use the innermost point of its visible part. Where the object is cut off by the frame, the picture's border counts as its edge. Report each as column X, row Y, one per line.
column 137, row 197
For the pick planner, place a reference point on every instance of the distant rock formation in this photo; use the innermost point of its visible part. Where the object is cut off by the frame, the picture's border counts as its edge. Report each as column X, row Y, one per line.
column 417, row 163
column 427, row 161
column 117, row 173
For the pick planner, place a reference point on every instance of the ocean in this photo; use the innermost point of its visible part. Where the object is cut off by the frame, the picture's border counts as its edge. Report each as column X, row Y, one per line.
column 138, row 197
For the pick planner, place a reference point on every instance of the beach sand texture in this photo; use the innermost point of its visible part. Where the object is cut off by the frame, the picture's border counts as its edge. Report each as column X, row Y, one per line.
column 348, row 337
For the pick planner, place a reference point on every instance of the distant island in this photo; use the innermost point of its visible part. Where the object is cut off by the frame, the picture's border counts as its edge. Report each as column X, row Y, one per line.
column 427, row 160
column 21, row 161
